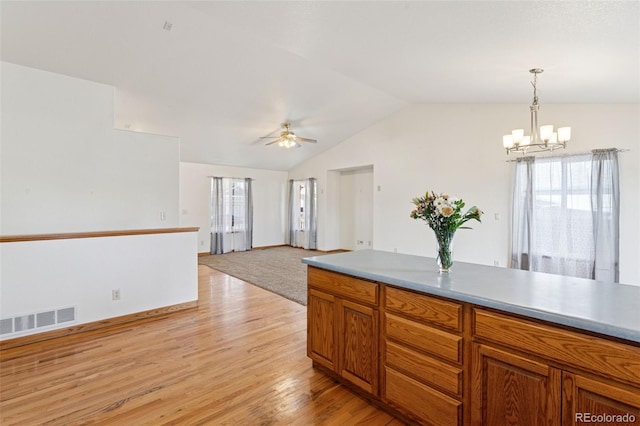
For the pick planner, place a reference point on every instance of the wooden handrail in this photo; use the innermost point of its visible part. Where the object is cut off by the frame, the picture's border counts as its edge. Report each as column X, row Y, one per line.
column 93, row 234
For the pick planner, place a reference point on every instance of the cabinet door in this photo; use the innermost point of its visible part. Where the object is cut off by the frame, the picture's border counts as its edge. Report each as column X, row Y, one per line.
column 593, row 401
column 321, row 329
column 358, row 333
column 508, row 389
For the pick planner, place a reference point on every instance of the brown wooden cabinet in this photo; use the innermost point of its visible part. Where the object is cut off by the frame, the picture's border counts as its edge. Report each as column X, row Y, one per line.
column 584, row 399
column 512, row 390
column 439, row 361
column 525, row 372
column 322, row 344
column 423, row 357
column 342, row 327
column 358, row 345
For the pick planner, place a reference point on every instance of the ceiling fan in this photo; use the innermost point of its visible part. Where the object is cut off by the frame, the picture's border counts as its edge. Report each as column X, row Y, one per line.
column 287, row 138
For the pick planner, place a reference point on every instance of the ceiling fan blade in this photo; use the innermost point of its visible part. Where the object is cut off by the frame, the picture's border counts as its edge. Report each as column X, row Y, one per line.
column 298, row 138
column 272, row 142
column 269, row 137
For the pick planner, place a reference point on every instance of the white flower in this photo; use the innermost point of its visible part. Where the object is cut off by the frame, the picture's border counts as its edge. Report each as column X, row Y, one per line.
column 446, row 211
column 439, row 202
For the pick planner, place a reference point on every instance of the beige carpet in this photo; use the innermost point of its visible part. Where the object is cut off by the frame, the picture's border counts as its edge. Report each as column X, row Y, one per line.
column 277, row 269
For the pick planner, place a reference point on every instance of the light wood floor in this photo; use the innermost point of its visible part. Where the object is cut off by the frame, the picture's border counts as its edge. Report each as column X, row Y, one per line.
column 238, row 359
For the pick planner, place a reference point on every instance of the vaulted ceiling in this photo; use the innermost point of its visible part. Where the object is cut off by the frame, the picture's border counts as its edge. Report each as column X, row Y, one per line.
column 227, row 73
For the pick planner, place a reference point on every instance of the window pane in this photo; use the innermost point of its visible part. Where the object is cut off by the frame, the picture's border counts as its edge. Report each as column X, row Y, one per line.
column 301, row 192
column 562, row 215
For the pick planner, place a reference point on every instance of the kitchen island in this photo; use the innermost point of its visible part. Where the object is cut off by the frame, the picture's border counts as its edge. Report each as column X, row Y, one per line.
column 481, row 345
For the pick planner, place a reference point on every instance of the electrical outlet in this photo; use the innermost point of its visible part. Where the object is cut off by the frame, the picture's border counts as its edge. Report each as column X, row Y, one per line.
column 360, row 242
column 496, row 263
column 115, row 294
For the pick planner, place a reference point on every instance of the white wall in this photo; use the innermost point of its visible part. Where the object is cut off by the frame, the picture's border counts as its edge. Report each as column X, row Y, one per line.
column 457, row 149
column 151, row 271
column 269, row 201
column 65, row 169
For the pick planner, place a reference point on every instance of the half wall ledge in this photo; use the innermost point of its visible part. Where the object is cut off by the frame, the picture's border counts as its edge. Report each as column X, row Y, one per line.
column 92, row 234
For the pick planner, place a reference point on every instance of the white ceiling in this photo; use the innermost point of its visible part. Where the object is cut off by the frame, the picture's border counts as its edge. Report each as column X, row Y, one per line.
column 230, row 72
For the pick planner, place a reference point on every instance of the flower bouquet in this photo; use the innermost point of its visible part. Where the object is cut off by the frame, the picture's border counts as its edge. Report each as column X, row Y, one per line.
column 444, row 215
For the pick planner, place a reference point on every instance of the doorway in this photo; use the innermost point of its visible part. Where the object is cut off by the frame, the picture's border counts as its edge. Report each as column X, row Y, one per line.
column 356, row 208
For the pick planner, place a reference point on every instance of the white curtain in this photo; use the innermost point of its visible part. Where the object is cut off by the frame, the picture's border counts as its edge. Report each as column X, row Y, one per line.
column 605, row 207
column 302, row 214
column 522, row 225
column 217, row 217
column 231, row 215
column 565, row 215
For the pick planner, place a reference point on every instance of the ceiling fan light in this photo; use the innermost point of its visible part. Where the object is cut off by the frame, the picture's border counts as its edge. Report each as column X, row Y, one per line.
column 564, row 134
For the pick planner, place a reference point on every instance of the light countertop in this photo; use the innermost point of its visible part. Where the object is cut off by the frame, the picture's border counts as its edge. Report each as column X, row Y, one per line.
column 607, row 308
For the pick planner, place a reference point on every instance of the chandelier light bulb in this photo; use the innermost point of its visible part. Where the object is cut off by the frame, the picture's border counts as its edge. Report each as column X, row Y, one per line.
column 517, row 135
column 526, row 140
column 546, row 132
column 564, row 134
column 507, row 141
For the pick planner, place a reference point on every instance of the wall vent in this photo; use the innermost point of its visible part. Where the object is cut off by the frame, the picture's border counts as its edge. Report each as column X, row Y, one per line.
column 66, row 315
column 44, row 319
column 6, row 326
column 23, row 323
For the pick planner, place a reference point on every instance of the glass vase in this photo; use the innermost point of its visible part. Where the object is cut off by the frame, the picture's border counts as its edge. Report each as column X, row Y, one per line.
column 445, row 254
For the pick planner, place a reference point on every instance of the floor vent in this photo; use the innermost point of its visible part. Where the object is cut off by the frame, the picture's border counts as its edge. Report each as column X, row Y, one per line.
column 23, row 323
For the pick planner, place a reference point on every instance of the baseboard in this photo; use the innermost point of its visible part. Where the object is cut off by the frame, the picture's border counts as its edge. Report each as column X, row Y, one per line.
column 206, row 253
column 90, row 326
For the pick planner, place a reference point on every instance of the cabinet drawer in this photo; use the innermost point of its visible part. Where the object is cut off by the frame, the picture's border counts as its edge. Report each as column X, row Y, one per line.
column 429, row 339
column 581, row 351
column 424, row 368
column 428, row 405
column 343, row 285
column 436, row 311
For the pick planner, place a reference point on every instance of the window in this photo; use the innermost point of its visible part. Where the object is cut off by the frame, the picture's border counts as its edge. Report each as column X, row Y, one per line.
column 301, row 192
column 235, row 193
column 565, row 215
column 302, row 213
column 562, row 213
column 231, row 215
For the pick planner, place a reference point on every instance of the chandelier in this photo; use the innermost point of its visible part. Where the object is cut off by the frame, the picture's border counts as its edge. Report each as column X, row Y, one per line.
column 542, row 138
